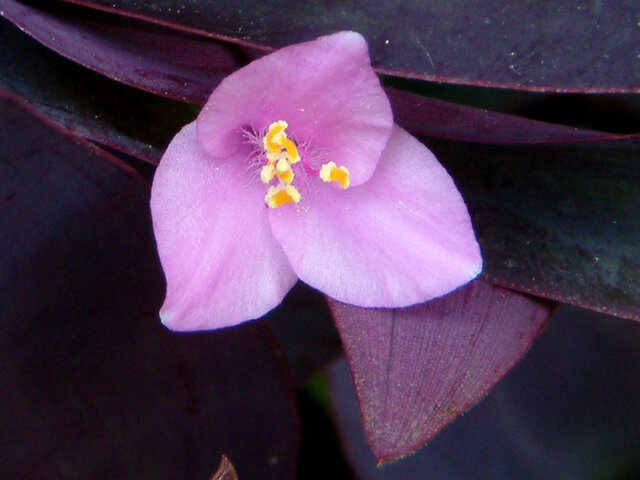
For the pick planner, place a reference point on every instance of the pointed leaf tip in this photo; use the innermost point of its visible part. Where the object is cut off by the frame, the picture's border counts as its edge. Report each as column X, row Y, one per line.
column 416, row 369
column 226, row 471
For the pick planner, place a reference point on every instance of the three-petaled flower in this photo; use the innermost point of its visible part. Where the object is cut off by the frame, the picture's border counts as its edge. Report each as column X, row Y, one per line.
column 295, row 169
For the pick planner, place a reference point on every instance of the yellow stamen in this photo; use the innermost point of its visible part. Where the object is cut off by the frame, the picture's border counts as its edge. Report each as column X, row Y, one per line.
column 330, row 172
column 267, row 173
column 286, row 176
column 292, row 151
column 282, row 165
column 284, row 170
column 281, row 153
column 280, row 195
column 276, row 140
column 274, row 136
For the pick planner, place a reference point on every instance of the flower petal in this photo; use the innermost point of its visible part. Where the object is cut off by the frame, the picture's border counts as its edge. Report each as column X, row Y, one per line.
column 220, row 260
column 325, row 89
column 402, row 238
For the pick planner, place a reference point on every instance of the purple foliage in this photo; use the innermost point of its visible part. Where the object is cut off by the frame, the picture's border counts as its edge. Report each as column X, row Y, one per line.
column 569, row 409
column 169, row 63
column 543, row 46
column 416, row 369
column 94, row 387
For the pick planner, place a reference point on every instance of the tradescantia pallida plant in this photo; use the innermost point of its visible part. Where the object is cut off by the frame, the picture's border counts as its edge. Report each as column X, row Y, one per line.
column 300, row 165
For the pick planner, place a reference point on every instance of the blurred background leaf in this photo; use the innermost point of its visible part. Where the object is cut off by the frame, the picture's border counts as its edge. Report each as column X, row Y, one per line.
column 164, row 61
column 554, row 205
column 548, row 46
column 85, row 102
column 93, row 386
column 560, row 221
column 569, row 410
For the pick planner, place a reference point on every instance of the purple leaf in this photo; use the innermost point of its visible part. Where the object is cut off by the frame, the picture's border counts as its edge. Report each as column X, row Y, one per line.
column 560, row 246
column 92, row 385
column 568, row 410
column 163, row 61
column 85, row 102
column 111, row 123
column 304, row 328
column 568, row 46
column 439, row 119
column 416, row 369
column 559, row 221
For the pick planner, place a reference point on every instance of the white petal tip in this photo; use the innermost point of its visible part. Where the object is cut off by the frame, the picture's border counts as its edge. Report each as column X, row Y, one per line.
column 167, row 318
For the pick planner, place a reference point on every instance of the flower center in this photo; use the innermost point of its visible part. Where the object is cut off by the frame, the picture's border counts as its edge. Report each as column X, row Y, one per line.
column 281, row 153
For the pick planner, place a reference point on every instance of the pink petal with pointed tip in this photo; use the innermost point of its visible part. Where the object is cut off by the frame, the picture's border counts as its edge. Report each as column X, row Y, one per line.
column 325, row 89
column 221, row 263
column 402, row 238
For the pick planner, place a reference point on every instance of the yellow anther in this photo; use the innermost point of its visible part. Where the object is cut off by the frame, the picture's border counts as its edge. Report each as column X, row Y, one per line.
column 267, row 173
column 276, row 140
column 274, row 136
column 281, row 153
column 292, row 151
column 286, row 176
column 284, row 170
column 330, row 172
column 282, row 165
column 280, row 195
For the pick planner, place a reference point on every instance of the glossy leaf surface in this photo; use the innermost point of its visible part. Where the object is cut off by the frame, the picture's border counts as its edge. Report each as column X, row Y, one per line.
column 560, row 221
column 113, row 43
column 568, row 410
column 140, row 54
column 184, row 67
column 435, row 118
column 556, row 46
column 85, row 102
column 118, row 116
column 417, row 369
column 92, row 385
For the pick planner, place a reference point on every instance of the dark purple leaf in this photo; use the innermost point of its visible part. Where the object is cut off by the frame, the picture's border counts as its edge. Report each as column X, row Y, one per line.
column 92, row 385
column 85, row 102
column 118, row 116
column 180, row 66
column 439, row 119
column 559, row 221
column 416, row 369
column 120, row 47
column 304, row 328
column 568, row 46
column 568, row 410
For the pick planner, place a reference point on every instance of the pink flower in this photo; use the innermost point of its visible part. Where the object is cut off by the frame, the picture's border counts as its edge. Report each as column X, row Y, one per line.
column 294, row 169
